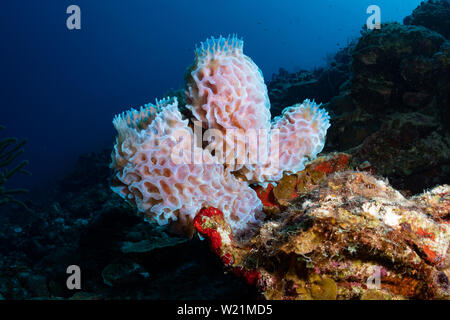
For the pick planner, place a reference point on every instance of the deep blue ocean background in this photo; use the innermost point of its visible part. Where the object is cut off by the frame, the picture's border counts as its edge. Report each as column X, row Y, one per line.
column 61, row 88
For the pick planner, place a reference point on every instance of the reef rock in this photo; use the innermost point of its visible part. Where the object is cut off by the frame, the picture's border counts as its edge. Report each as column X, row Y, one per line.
column 393, row 112
column 389, row 106
column 396, row 66
column 434, row 15
column 343, row 234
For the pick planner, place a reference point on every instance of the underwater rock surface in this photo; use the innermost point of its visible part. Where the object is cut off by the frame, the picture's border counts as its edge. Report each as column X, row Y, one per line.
column 435, row 15
column 343, row 235
column 391, row 108
column 400, row 94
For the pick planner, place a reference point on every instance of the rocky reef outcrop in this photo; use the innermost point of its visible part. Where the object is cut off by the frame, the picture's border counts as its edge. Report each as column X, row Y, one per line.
column 334, row 233
column 323, row 83
column 394, row 113
column 390, row 107
column 433, row 14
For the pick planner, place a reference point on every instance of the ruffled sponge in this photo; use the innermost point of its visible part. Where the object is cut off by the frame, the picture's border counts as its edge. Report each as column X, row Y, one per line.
column 226, row 88
column 226, row 91
column 159, row 170
column 302, row 130
column 296, row 137
column 163, row 169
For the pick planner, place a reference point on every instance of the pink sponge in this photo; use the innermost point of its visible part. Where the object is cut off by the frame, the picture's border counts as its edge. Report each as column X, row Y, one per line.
column 226, row 91
column 296, row 137
column 302, row 130
column 225, row 88
column 163, row 169
column 159, row 173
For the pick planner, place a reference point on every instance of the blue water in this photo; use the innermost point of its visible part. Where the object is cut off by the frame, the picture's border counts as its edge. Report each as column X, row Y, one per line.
column 60, row 88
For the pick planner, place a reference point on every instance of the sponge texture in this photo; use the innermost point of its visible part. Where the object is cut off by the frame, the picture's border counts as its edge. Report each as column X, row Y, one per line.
column 296, row 137
column 167, row 178
column 226, row 91
column 226, row 88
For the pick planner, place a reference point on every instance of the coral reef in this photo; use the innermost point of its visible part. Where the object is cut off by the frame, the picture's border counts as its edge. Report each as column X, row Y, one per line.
column 335, row 233
column 391, row 112
column 330, row 232
column 396, row 104
column 10, row 150
column 403, row 58
column 390, row 106
column 169, row 175
column 433, row 14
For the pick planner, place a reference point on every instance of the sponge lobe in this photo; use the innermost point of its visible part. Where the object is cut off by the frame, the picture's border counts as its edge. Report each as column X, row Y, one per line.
column 302, row 131
column 225, row 90
column 296, row 137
